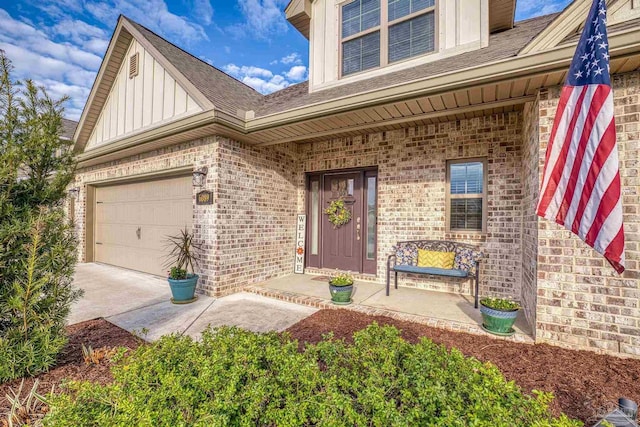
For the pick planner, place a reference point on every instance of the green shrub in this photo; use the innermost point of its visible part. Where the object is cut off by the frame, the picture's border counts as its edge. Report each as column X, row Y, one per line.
column 500, row 304
column 238, row 378
column 37, row 246
column 341, row 279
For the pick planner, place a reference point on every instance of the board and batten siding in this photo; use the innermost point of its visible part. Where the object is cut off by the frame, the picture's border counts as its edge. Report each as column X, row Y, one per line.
column 461, row 26
column 151, row 98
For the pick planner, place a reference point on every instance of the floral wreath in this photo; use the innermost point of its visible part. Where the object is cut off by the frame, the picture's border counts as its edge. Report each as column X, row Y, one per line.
column 338, row 214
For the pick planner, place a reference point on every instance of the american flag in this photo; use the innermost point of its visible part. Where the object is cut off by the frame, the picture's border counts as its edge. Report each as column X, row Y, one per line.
column 581, row 182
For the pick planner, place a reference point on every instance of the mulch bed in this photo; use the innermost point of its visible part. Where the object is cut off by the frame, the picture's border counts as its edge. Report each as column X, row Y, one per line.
column 582, row 382
column 96, row 333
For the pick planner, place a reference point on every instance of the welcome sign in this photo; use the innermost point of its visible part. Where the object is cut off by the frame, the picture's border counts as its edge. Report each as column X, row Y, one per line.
column 301, row 233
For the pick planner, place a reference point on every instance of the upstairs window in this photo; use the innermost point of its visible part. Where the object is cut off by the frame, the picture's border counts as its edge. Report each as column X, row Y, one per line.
column 466, row 195
column 360, row 36
column 376, row 33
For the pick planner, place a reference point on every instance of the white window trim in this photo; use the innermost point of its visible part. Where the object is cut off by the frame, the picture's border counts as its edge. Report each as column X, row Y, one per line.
column 384, row 35
column 449, row 196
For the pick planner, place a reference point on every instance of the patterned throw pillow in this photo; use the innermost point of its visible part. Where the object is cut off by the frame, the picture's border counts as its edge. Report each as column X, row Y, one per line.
column 406, row 254
column 465, row 259
column 435, row 259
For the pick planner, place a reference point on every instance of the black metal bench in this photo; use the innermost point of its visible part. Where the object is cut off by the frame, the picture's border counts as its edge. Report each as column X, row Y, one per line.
column 407, row 254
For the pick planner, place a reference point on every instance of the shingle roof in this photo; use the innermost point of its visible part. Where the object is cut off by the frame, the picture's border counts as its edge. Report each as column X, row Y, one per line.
column 225, row 92
column 502, row 45
column 68, row 128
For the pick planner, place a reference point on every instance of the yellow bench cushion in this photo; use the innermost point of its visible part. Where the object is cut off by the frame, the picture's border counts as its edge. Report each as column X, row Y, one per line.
column 435, row 259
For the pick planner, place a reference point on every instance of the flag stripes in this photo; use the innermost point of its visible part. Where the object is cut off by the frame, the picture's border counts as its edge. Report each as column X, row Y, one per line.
column 581, row 187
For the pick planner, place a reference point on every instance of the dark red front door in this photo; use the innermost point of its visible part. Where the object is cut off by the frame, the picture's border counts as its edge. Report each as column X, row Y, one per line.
column 342, row 246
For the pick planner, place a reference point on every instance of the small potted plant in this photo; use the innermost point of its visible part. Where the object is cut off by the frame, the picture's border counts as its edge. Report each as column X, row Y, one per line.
column 341, row 288
column 183, row 257
column 499, row 315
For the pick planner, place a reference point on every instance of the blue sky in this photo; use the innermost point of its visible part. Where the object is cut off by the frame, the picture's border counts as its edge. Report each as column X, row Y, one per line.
column 60, row 43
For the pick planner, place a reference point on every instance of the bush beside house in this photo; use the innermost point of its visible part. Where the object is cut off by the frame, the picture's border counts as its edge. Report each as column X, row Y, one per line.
column 235, row 377
column 37, row 245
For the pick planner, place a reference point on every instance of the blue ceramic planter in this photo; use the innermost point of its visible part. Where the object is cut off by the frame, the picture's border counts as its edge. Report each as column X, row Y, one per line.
column 183, row 291
column 498, row 322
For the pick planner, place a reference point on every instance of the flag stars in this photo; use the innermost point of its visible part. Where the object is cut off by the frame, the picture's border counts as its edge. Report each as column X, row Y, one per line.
column 599, row 36
column 605, row 56
column 603, row 45
column 598, row 71
column 584, row 57
column 602, row 11
column 578, row 74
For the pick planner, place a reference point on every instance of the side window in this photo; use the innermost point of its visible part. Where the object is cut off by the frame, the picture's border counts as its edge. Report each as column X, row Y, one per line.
column 466, row 195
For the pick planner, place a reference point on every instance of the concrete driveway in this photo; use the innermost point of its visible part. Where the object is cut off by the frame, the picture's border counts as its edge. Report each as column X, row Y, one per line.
column 137, row 301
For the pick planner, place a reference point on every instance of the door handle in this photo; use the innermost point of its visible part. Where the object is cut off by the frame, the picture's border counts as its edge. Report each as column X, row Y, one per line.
column 358, row 229
column 138, row 232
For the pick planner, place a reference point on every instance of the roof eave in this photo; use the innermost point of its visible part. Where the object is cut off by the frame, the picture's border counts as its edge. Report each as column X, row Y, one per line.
column 501, row 15
column 298, row 13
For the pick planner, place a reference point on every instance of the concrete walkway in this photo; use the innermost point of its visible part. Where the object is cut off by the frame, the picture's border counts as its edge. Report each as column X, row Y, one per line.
column 137, row 301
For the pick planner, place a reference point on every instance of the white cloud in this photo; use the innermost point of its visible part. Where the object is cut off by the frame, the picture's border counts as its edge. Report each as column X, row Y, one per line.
column 292, row 58
column 247, row 71
column 20, row 34
column 203, row 11
column 262, row 18
column 297, row 73
column 266, row 81
column 153, row 14
column 98, row 46
column 61, row 67
column 78, row 31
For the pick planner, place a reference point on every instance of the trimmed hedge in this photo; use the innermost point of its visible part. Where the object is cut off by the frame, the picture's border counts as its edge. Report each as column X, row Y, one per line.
column 234, row 377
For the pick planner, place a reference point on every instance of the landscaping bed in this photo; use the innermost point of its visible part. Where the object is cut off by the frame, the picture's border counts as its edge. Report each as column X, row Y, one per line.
column 583, row 382
column 70, row 365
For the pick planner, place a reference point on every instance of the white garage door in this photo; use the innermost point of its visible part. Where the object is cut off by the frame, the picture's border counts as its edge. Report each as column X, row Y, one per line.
column 132, row 222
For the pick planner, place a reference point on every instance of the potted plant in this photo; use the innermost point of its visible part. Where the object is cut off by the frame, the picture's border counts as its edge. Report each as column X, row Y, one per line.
column 341, row 288
column 499, row 315
column 183, row 256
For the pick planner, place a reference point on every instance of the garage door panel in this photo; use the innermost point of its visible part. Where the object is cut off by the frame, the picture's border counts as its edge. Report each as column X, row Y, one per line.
column 158, row 209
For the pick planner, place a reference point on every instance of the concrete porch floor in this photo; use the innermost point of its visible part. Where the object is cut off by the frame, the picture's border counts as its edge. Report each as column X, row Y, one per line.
column 451, row 311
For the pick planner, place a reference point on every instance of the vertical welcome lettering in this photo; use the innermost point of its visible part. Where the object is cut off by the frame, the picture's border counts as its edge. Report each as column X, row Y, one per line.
column 301, row 232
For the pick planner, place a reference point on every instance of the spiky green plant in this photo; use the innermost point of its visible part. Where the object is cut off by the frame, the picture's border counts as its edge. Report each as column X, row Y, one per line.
column 184, row 254
column 37, row 245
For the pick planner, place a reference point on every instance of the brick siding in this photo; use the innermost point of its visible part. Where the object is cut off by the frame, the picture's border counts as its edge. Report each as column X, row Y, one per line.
column 582, row 302
column 530, row 189
column 411, row 190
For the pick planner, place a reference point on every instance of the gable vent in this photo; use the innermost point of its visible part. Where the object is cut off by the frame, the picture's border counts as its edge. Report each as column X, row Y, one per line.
column 133, row 65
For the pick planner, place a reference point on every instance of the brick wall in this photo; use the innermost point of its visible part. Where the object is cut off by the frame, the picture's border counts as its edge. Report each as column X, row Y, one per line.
column 530, row 190
column 582, row 302
column 411, row 202
column 257, row 198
